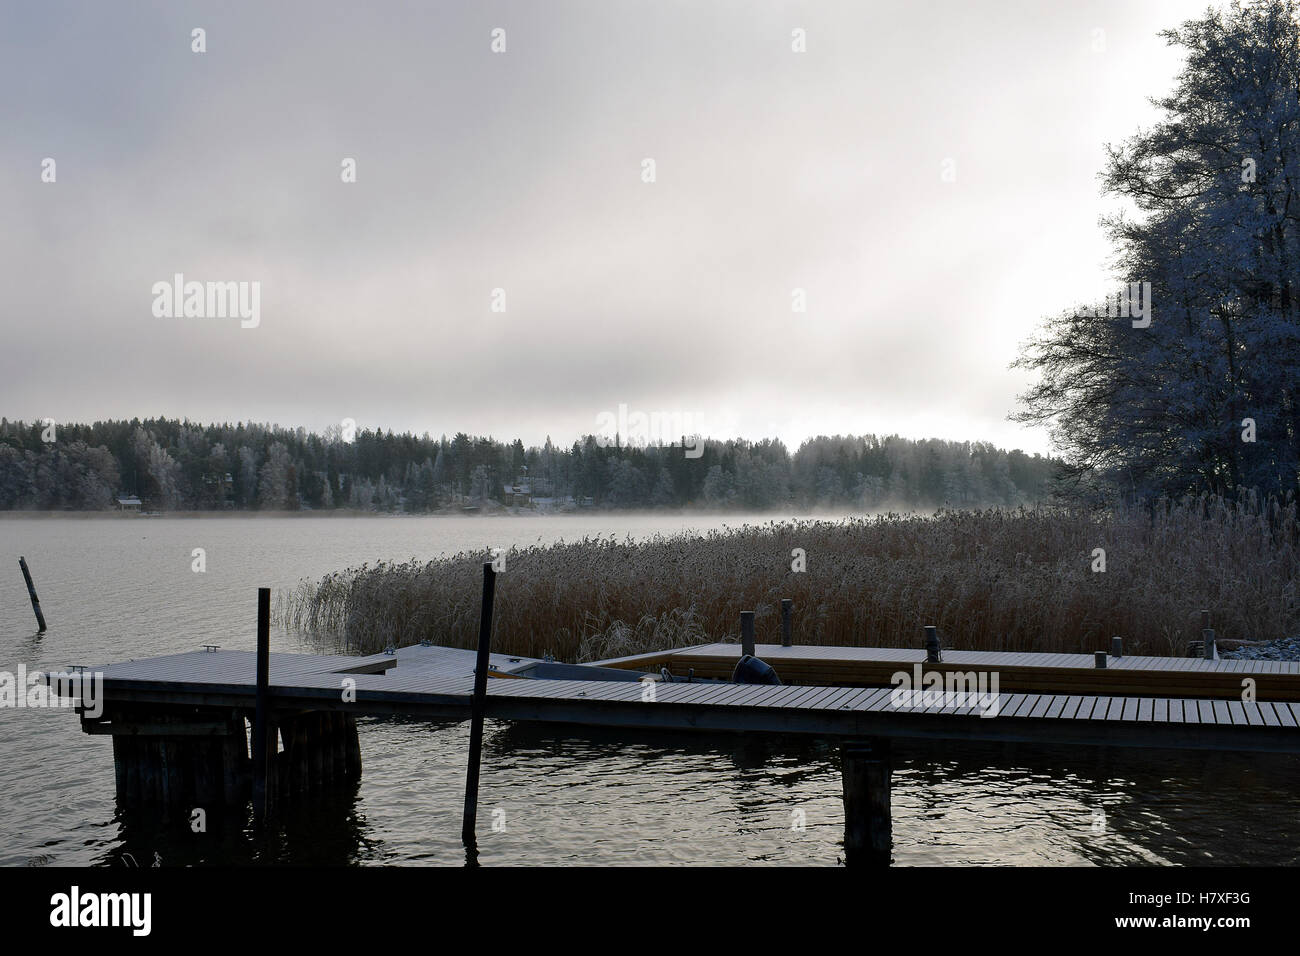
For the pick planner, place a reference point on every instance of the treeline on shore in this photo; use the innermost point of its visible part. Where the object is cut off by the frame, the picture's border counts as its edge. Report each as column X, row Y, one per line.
column 180, row 465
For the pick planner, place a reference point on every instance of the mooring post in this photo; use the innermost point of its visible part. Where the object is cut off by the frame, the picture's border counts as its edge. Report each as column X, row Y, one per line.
column 1117, row 647
column 866, row 769
column 1208, row 634
column 477, row 706
column 31, row 593
column 1099, row 658
column 787, row 625
column 747, row 633
column 263, row 754
column 932, row 653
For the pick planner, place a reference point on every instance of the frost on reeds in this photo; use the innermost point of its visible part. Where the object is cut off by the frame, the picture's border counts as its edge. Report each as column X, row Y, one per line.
column 991, row 580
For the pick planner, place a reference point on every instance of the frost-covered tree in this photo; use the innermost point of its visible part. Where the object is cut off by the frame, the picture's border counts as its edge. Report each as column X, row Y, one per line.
column 1213, row 225
column 247, row 477
column 88, row 477
column 158, row 472
column 626, row 485
column 440, row 468
column 719, row 488
column 17, row 489
column 276, row 490
column 480, row 483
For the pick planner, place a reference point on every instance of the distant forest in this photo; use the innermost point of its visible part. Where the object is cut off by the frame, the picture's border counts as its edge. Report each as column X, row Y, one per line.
column 178, row 465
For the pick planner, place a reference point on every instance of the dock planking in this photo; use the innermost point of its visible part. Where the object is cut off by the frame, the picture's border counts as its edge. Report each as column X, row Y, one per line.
column 1016, row 671
column 437, row 682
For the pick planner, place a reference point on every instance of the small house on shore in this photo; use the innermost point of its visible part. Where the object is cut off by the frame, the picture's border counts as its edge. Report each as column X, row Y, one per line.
column 519, row 492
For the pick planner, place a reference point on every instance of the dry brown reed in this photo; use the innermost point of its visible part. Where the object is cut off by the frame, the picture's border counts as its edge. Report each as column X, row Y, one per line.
column 990, row 580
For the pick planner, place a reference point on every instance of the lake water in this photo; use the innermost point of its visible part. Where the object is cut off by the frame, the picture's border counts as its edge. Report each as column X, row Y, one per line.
column 115, row 588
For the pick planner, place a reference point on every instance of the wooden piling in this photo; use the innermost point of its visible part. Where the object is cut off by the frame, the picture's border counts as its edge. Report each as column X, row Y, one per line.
column 234, row 761
column 1117, row 647
column 263, row 742
column 175, row 759
column 787, row 623
column 323, row 752
column 933, row 654
column 298, row 773
column 31, row 593
column 301, row 762
column 121, row 766
column 478, row 704
column 166, row 775
column 134, row 787
column 338, row 737
column 866, row 770
column 353, row 744
column 279, row 777
column 747, row 633
column 206, row 767
column 150, row 764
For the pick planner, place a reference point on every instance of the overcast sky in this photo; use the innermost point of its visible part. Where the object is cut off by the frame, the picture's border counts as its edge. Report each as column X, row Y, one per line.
column 523, row 171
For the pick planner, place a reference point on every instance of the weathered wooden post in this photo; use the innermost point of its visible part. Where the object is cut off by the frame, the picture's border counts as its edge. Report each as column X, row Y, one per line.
column 263, row 752
column 932, row 652
column 866, row 768
column 1099, row 658
column 338, row 737
column 1117, row 647
column 325, row 724
column 234, row 760
column 31, row 593
column 297, row 745
column 352, row 745
column 477, row 706
column 787, row 625
column 747, row 633
column 1208, row 634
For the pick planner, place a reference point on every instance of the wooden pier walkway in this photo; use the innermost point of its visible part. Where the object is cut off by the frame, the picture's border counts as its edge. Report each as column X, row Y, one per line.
column 179, row 722
column 437, row 682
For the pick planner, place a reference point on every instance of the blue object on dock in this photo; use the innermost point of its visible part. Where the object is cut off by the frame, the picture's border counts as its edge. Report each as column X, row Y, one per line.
column 752, row 670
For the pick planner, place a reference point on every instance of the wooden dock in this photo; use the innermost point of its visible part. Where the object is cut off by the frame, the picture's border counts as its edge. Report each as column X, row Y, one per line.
column 179, row 722
column 436, row 682
column 1040, row 673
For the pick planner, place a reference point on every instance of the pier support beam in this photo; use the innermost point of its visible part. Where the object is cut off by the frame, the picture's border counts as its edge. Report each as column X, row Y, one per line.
column 177, row 759
column 180, row 758
column 318, row 752
column 868, row 834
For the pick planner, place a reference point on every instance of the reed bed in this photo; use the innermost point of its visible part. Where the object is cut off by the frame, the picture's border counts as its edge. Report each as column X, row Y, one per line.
column 990, row 580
